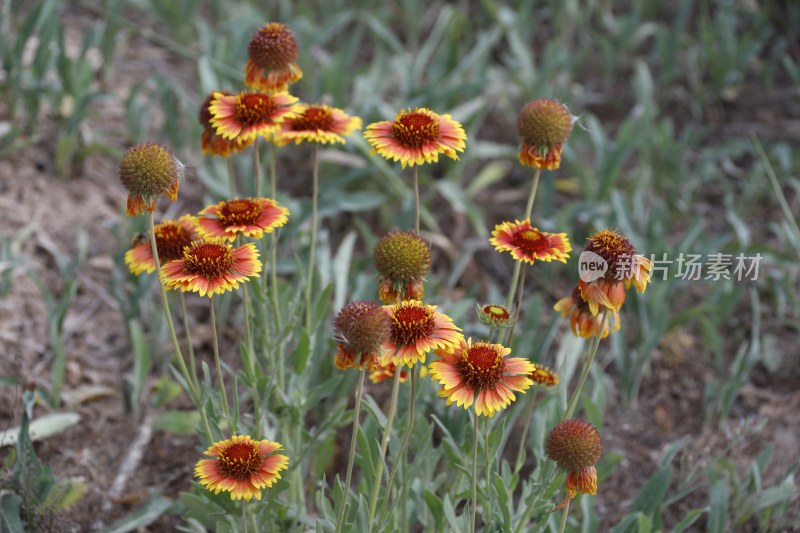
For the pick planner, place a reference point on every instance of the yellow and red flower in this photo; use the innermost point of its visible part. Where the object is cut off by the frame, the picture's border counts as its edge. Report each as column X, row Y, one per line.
column 149, row 170
column 384, row 372
column 543, row 124
column 581, row 320
column 479, row 373
column 361, row 330
column 416, row 329
column 241, row 466
column 171, row 238
column 211, row 266
column 494, row 315
column 272, row 59
column 251, row 217
column 624, row 267
column 317, row 123
column 542, row 375
column 247, row 115
column 528, row 244
column 213, row 143
column 576, row 446
column 416, row 136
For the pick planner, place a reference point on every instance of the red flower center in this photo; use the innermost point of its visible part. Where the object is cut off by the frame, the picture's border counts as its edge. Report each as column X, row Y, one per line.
column 171, row 238
column 481, row 366
column 314, row 118
column 415, row 130
column 240, row 460
column 530, row 241
column 411, row 323
column 252, row 108
column 208, row 259
column 241, row 212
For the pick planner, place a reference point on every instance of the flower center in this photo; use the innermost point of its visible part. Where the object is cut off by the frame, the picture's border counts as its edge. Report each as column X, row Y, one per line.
column 240, row 461
column 411, row 323
column 496, row 312
column 252, row 108
column 241, row 212
column 312, row 119
column 617, row 250
column 171, row 238
column 273, row 47
column 481, row 366
column 415, row 130
column 530, row 241
column 208, row 259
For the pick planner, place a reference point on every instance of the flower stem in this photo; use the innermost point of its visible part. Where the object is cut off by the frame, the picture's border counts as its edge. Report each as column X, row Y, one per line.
column 244, row 516
column 516, row 311
column 387, row 433
column 573, row 401
column 257, row 164
column 351, row 457
column 273, row 182
column 215, row 344
column 189, row 344
column 474, row 475
column 416, row 198
column 231, row 179
column 543, row 482
column 488, row 478
column 564, row 518
column 532, row 195
column 528, row 416
column 313, row 245
column 401, row 456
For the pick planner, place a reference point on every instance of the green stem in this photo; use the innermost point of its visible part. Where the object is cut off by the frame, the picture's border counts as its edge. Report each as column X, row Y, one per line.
column 416, row 198
column 524, row 435
column 244, row 516
column 573, row 401
column 488, row 479
column 218, row 367
column 351, row 457
column 189, row 343
column 387, row 432
column 313, row 245
column 273, row 285
column 516, row 311
column 401, row 456
column 257, row 164
column 564, row 518
column 231, row 178
column 532, row 195
column 543, row 483
column 474, row 475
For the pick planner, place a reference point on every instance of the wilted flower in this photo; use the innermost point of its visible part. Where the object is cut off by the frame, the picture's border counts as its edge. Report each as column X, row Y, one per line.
column 172, row 236
column 211, row 267
column 576, row 446
column 402, row 259
column 250, row 217
column 148, row 171
column 479, row 372
column 272, row 55
column 544, row 124
column 242, row 466
column 416, row 136
column 318, row 124
column 361, row 330
column 581, row 320
column 416, row 330
column 528, row 244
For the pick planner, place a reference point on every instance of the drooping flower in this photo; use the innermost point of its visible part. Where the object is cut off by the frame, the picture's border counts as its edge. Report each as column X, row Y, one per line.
column 211, row 266
column 581, row 320
column 245, row 116
column 528, row 244
column 479, row 373
column 402, row 259
column 544, row 124
column 417, row 329
column 210, row 141
column 272, row 59
column 250, row 217
column 542, row 375
column 149, row 170
column 318, row 124
column 241, row 466
column 576, row 446
column 416, row 136
column 623, row 267
column 171, row 237
column 494, row 315
column 361, row 330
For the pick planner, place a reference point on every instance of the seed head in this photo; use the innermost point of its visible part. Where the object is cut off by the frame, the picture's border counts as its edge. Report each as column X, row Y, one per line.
column 273, row 47
column 362, row 327
column 402, row 256
column 149, row 170
column 574, row 445
column 544, row 122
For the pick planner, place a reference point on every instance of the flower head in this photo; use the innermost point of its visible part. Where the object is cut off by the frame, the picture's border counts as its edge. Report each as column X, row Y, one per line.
column 543, row 376
column 416, row 136
column 317, row 123
column 528, row 244
column 384, row 372
column 581, row 320
column 245, row 116
column 544, row 124
column 576, row 446
column 416, row 330
column 210, row 141
column 272, row 55
column 402, row 259
column 171, row 238
column 241, row 466
column 211, row 266
column 361, row 330
column 478, row 372
column 494, row 315
column 148, row 171
column 624, row 266
column 251, row 217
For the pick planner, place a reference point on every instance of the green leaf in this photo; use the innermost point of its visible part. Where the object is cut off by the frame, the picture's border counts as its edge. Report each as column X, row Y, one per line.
column 65, row 493
column 43, row 427
column 690, row 518
column 141, row 517
column 10, row 509
column 178, row 422
column 652, row 494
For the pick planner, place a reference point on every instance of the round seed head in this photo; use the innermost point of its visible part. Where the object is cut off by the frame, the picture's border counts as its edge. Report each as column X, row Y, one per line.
column 150, row 170
column 362, row 327
column 402, row 256
column 544, row 122
column 273, row 47
column 574, row 445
